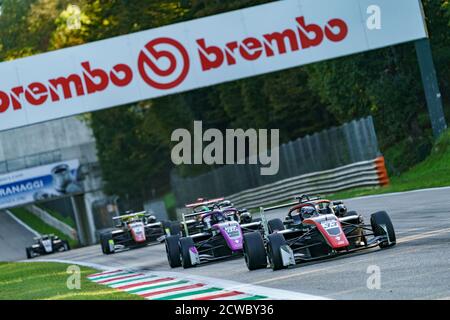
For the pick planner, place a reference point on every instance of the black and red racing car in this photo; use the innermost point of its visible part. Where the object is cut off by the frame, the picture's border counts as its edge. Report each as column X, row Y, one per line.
column 314, row 228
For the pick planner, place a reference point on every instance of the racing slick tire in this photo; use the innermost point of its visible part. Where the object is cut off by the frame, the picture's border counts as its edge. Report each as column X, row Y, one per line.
column 173, row 250
column 185, row 244
column 275, row 225
column 378, row 219
column 66, row 245
column 104, row 242
column 254, row 251
column 175, row 228
column 171, row 228
column 29, row 253
column 276, row 240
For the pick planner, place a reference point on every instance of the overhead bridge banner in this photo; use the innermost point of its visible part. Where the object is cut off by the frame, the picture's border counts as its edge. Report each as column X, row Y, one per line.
column 199, row 53
column 40, row 184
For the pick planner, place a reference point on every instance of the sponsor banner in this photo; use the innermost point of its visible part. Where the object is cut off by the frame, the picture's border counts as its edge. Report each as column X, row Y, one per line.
column 199, row 53
column 39, row 184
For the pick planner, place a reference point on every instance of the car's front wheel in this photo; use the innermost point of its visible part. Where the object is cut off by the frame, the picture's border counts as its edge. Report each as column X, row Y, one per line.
column 254, row 251
column 173, row 251
column 382, row 226
column 107, row 243
column 274, row 244
column 186, row 244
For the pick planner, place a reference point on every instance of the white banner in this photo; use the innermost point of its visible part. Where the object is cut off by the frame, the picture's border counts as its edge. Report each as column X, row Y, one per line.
column 199, row 53
column 39, row 184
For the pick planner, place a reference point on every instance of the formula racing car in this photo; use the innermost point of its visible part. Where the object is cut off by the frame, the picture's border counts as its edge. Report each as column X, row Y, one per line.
column 46, row 244
column 134, row 230
column 219, row 235
column 314, row 228
column 194, row 224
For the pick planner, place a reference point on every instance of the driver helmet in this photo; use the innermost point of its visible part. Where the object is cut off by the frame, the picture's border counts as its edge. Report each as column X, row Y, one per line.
column 307, row 212
column 296, row 217
column 218, row 217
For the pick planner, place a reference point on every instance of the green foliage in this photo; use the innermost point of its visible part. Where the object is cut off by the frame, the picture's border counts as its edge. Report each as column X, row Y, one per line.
column 433, row 172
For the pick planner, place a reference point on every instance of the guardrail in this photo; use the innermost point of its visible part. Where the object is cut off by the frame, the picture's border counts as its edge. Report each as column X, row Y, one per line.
column 371, row 173
column 360, row 174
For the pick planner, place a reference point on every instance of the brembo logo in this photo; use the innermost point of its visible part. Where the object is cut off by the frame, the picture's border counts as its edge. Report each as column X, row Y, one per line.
column 177, row 67
column 305, row 36
column 164, row 63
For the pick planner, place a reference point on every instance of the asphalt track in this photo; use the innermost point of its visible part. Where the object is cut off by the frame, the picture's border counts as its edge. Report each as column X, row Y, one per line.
column 418, row 267
column 14, row 238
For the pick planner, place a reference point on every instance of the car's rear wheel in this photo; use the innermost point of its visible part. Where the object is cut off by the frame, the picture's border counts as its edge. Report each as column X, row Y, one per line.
column 381, row 224
column 173, row 251
column 254, row 251
column 175, row 228
column 185, row 244
column 274, row 244
column 275, row 225
column 66, row 245
column 105, row 239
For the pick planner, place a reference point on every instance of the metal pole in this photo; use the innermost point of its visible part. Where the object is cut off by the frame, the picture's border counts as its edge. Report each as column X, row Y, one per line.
column 431, row 87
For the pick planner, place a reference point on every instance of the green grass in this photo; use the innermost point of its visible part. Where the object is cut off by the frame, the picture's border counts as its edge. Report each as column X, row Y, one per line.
column 67, row 220
column 40, row 226
column 48, row 281
column 433, row 172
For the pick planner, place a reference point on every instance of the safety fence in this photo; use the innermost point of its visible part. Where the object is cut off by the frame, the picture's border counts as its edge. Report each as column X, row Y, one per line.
column 327, row 161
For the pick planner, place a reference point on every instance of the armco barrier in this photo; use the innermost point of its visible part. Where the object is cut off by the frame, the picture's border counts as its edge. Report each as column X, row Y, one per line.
column 360, row 174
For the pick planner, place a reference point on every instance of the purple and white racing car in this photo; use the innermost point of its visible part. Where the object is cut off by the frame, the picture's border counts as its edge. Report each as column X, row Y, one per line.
column 220, row 236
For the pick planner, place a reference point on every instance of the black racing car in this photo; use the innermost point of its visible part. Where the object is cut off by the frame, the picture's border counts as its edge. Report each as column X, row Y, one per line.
column 218, row 236
column 193, row 223
column 46, row 244
column 315, row 228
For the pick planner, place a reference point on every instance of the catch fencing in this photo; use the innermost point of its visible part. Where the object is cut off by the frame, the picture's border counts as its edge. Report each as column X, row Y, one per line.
column 334, row 159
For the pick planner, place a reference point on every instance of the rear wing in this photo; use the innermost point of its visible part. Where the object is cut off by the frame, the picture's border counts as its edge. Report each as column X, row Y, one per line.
column 131, row 215
column 204, row 203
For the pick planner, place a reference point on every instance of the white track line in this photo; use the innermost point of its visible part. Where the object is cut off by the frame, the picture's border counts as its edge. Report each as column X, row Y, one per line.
column 23, row 224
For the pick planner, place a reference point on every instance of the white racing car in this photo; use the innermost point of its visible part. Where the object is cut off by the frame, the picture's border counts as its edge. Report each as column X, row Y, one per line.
column 46, row 244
